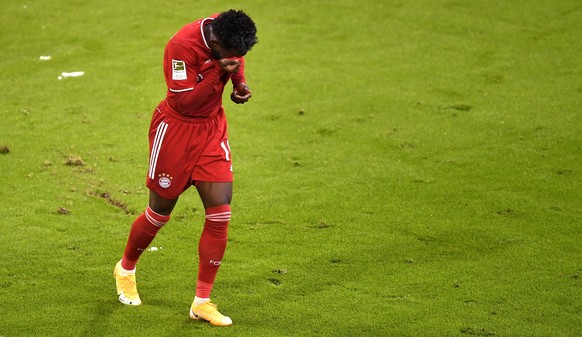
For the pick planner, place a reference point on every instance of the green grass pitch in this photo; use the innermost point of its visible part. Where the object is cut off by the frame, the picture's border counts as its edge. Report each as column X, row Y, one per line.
column 404, row 168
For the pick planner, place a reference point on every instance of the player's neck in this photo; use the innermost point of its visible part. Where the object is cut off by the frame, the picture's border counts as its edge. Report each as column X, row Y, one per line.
column 207, row 29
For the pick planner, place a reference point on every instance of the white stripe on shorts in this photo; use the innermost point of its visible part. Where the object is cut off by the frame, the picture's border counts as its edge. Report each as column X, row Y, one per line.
column 160, row 133
column 226, row 149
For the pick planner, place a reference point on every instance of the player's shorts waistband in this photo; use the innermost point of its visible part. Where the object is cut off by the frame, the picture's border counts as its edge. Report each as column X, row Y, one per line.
column 165, row 108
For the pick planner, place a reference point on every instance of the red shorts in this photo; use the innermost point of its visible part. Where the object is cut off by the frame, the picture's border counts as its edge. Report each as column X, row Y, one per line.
column 184, row 150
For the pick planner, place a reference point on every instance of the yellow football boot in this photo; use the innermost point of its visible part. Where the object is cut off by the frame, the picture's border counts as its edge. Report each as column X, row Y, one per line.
column 126, row 286
column 207, row 311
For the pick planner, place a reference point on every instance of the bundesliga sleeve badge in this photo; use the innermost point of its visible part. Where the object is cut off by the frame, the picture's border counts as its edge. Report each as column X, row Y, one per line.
column 179, row 70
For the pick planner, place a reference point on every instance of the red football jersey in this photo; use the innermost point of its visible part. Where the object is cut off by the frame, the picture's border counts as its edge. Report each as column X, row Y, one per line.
column 194, row 79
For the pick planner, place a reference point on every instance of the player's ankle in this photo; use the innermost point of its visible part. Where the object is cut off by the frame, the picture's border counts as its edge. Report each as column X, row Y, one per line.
column 200, row 300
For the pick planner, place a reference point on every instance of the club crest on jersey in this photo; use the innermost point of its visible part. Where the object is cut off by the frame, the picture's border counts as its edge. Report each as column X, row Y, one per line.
column 165, row 180
column 179, row 70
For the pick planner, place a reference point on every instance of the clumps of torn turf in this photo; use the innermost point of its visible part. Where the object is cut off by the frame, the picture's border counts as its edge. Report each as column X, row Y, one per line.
column 63, row 211
column 112, row 201
column 74, row 161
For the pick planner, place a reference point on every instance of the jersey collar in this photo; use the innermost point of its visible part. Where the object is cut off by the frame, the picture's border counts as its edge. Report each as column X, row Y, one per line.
column 202, row 31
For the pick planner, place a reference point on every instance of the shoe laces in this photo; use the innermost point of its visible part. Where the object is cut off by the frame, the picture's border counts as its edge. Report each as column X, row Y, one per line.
column 210, row 306
column 127, row 282
column 211, row 309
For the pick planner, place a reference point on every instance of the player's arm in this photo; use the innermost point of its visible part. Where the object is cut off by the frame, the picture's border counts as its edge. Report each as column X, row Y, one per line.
column 241, row 91
column 201, row 93
column 189, row 93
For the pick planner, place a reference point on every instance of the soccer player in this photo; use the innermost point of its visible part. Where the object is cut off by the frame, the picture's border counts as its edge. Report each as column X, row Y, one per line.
column 189, row 146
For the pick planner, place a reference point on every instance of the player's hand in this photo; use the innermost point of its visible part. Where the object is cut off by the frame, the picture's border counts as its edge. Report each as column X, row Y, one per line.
column 241, row 93
column 229, row 65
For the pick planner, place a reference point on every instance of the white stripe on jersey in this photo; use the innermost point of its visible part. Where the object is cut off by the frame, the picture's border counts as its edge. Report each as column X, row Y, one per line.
column 160, row 133
column 182, row 90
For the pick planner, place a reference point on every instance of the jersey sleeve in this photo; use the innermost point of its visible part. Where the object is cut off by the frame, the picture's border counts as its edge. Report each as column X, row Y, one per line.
column 179, row 69
column 239, row 76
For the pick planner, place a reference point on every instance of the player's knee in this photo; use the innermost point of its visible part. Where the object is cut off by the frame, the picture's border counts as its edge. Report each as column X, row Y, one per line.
column 161, row 205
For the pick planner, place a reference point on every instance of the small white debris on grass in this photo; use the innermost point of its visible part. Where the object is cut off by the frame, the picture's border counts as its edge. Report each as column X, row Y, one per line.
column 44, row 57
column 70, row 74
column 154, row 249
column 73, row 74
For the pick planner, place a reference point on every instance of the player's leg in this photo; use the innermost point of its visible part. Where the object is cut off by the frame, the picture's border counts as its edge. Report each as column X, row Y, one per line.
column 143, row 231
column 145, row 228
column 214, row 194
column 160, row 204
column 165, row 184
column 216, row 199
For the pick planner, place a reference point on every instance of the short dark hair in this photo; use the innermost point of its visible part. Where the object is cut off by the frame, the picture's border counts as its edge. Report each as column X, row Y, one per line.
column 235, row 30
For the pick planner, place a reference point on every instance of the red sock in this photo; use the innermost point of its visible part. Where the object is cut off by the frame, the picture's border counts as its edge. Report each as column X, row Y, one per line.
column 143, row 231
column 211, row 248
